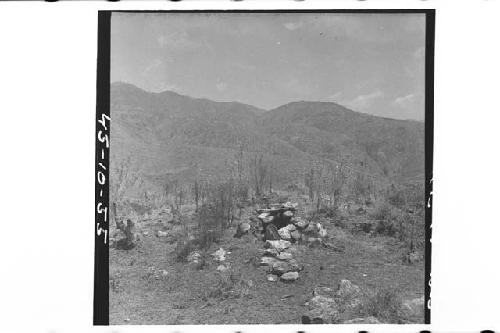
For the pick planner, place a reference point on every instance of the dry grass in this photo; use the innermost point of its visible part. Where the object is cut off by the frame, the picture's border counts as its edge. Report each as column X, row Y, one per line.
column 242, row 295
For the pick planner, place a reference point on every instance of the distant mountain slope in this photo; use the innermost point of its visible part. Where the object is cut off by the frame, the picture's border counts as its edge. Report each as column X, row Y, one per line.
column 170, row 135
column 384, row 146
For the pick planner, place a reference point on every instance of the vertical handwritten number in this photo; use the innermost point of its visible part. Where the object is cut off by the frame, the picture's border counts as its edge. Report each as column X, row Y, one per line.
column 103, row 139
column 101, row 178
column 102, row 121
column 101, row 210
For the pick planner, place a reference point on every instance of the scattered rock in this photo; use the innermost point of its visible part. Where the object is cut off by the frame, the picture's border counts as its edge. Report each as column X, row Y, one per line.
column 272, row 278
column 289, row 276
column 220, row 255
column 222, row 268
column 279, row 245
column 145, row 233
column 161, row 233
column 164, row 273
column 194, row 257
column 366, row 320
column 321, row 231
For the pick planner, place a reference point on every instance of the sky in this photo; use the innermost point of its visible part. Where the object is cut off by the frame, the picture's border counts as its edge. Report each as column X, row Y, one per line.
column 371, row 63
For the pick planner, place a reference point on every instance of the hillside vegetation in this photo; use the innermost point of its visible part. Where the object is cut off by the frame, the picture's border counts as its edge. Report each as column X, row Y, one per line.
column 225, row 213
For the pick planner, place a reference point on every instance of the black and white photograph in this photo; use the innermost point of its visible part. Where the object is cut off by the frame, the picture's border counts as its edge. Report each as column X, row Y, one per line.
column 247, row 166
column 267, row 168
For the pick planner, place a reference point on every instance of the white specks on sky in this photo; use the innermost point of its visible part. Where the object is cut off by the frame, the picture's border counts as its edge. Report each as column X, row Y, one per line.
column 372, row 63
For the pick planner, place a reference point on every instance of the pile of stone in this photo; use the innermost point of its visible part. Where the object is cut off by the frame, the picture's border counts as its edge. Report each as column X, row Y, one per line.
column 281, row 227
column 281, row 223
column 279, row 261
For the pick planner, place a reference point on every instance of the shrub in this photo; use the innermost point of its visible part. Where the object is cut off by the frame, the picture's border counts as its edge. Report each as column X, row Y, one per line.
column 386, row 306
column 382, row 212
column 215, row 215
column 183, row 248
column 329, row 212
column 385, row 227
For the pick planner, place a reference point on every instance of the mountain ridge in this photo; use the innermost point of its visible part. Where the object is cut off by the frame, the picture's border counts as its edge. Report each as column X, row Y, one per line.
column 167, row 133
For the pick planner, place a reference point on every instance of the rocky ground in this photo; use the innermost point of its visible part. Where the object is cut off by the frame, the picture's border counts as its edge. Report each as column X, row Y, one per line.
column 273, row 266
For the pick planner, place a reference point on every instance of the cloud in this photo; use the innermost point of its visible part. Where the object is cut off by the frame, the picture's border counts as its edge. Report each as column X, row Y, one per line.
column 177, row 41
column 409, row 101
column 293, row 25
column 337, row 97
column 151, row 67
column 363, row 102
column 221, row 86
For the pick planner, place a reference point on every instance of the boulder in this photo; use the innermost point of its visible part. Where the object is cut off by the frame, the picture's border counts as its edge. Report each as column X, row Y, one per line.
column 288, row 214
column 284, row 233
column 366, row 320
column 322, row 310
column 279, row 245
column 348, row 294
column 289, row 276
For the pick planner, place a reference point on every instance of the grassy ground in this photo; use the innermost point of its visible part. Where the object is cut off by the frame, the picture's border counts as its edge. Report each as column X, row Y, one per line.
column 148, row 287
